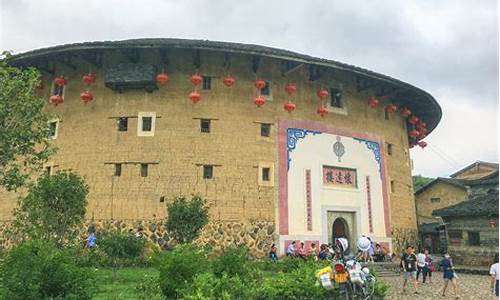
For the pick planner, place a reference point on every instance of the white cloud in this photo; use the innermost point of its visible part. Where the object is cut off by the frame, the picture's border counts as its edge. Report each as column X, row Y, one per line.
column 448, row 47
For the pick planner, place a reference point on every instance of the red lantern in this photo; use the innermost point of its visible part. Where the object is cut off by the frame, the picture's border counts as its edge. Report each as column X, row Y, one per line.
column 422, row 144
column 414, row 133
column 405, row 112
column 259, row 101
column 373, row 102
column 89, row 78
column 260, row 84
column 289, row 107
column 290, row 88
column 391, row 108
column 60, row 81
column 56, row 99
column 322, row 111
column 195, row 97
column 413, row 120
column 421, row 136
column 421, row 124
column 196, row 79
column 229, row 81
column 86, row 97
column 322, row 93
column 162, row 78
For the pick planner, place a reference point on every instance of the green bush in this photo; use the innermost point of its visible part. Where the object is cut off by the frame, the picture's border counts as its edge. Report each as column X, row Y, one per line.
column 179, row 267
column 299, row 283
column 232, row 261
column 186, row 218
column 209, row 286
column 149, row 288
column 39, row 270
column 121, row 245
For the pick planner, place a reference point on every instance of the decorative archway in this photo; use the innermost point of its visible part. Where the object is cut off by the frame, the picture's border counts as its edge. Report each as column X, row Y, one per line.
column 340, row 228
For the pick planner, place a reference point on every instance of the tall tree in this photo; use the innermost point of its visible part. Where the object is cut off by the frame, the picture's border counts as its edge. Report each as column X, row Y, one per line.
column 23, row 125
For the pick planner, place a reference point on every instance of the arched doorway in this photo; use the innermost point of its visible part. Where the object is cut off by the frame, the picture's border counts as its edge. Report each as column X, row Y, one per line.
column 340, row 229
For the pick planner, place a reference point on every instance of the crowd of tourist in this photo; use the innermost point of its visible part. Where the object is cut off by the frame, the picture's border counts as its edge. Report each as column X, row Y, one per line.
column 411, row 265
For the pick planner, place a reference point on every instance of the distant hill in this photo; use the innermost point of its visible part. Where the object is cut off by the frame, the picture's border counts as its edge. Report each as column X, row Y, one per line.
column 419, row 181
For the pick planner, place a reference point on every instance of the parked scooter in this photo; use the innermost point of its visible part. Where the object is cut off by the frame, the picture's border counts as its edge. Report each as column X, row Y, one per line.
column 353, row 280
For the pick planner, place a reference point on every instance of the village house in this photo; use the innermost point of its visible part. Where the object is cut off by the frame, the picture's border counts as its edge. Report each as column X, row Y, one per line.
column 443, row 193
column 472, row 225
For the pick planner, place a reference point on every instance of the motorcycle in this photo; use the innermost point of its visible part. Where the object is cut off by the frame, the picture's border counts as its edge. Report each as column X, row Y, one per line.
column 353, row 280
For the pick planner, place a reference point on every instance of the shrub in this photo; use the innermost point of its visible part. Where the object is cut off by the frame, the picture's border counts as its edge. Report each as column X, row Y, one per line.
column 38, row 270
column 120, row 245
column 179, row 267
column 233, row 261
column 53, row 208
column 209, row 286
column 149, row 288
column 186, row 218
column 299, row 283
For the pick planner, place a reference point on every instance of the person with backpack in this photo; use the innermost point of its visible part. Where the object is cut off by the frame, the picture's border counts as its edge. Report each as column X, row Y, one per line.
column 409, row 267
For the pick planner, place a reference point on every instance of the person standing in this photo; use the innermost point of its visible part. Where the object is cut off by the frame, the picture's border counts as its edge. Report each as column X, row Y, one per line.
column 429, row 267
column 409, row 266
column 302, row 251
column 448, row 275
column 494, row 272
column 91, row 240
column 420, row 263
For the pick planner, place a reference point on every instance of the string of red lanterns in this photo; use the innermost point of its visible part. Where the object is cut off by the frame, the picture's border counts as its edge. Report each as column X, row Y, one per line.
column 259, row 100
column 195, row 96
column 290, row 89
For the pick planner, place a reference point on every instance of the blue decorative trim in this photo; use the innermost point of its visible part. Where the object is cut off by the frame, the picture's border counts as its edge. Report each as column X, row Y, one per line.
column 375, row 147
column 292, row 137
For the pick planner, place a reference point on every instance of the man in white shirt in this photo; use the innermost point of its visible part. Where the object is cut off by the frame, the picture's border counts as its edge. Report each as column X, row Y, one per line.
column 420, row 262
column 290, row 250
column 494, row 275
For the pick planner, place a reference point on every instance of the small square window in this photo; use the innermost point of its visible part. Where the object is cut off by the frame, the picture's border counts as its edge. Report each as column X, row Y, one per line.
column 208, row 172
column 122, row 124
column 474, row 239
column 118, row 169
column 265, row 129
column 53, row 126
column 266, row 91
column 336, row 99
column 144, row 170
column 386, row 114
column 265, row 174
column 389, row 148
column 147, row 123
column 205, row 125
column 48, row 170
column 435, row 200
column 207, row 82
column 393, row 186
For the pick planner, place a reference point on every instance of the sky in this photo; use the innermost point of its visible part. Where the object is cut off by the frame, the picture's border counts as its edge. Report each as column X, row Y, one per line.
column 448, row 48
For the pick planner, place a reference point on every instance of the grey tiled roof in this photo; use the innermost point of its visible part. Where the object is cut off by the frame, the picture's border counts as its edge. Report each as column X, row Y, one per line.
column 419, row 101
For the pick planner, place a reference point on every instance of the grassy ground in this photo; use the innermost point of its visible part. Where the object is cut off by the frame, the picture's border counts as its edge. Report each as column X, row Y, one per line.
column 124, row 287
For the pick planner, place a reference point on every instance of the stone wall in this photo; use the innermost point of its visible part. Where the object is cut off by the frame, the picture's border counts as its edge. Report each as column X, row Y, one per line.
column 89, row 142
column 465, row 254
